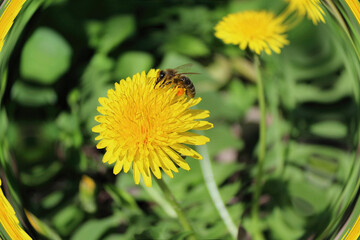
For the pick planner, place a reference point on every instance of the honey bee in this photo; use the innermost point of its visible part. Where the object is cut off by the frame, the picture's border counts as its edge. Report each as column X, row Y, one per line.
column 172, row 76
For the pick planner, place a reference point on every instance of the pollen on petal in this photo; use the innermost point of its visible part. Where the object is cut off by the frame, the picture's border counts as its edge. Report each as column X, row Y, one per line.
column 181, row 91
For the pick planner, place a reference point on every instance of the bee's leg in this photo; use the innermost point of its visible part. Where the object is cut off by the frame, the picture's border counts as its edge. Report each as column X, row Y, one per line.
column 158, row 81
column 168, row 82
column 164, row 83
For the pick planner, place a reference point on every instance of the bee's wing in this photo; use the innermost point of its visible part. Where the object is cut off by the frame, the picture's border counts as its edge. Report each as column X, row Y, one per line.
column 184, row 67
column 187, row 73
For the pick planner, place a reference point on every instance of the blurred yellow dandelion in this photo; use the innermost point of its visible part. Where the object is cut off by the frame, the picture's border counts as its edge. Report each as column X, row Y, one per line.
column 9, row 221
column 87, row 184
column 12, row 8
column 354, row 232
column 311, row 8
column 147, row 127
column 354, row 6
column 35, row 222
column 258, row 30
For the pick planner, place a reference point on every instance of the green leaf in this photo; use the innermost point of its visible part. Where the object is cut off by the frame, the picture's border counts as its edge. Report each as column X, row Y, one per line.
column 95, row 228
column 182, row 235
column 214, row 102
column 187, row 45
column 53, row 199
column 131, row 63
column 40, row 174
column 45, row 57
column 41, row 227
column 3, row 81
column 32, row 96
column 225, row 170
column 4, row 123
column 121, row 197
column 116, row 237
column 69, row 130
column 329, row 129
column 68, row 219
column 222, row 138
column 306, row 198
column 93, row 29
column 229, row 191
column 247, row 94
column 106, row 36
column 285, row 224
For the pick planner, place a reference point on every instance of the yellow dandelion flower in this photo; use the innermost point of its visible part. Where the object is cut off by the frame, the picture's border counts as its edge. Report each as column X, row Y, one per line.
column 258, row 30
column 354, row 232
column 12, row 8
column 9, row 221
column 147, row 127
column 311, row 8
column 354, row 6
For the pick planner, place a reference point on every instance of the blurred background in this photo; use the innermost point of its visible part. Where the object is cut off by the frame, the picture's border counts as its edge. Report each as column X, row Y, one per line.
column 61, row 56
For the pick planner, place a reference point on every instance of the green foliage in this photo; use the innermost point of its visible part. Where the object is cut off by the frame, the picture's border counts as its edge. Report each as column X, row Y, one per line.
column 131, row 63
column 67, row 219
column 94, row 229
column 67, row 58
column 4, row 122
column 104, row 36
column 187, row 45
column 45, row 57
column 32, row 96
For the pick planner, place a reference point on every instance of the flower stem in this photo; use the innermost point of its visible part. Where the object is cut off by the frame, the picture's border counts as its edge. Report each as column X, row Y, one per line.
column 214, row 191
column 181, row 216
column 262, row 150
